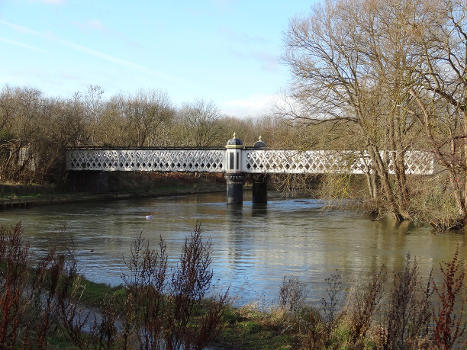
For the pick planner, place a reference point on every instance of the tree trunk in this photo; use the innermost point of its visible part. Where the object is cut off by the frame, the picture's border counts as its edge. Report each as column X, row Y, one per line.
column 383, row 174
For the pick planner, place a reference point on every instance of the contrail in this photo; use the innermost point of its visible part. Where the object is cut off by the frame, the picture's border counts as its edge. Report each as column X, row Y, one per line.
column 20, row 44
column 83, row 49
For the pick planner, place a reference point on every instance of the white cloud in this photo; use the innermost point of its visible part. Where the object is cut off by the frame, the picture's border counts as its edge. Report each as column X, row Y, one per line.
column 251, row 106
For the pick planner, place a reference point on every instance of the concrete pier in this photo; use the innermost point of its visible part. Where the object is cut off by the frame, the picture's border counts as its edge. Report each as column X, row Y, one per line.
column 260, row 188
column 235, row 188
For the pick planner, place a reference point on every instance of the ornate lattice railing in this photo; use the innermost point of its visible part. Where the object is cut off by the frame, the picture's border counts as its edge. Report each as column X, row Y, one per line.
column 252, row 161
column 146, row 160
column 318, row 162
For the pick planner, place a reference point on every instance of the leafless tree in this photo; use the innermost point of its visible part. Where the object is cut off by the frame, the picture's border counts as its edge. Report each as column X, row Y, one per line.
column 359, row 63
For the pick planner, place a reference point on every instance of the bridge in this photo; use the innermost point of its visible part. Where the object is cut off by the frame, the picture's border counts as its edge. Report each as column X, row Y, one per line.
column 235, row 161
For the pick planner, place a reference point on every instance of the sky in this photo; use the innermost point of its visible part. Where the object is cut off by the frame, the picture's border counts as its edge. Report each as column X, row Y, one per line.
column 227, row 52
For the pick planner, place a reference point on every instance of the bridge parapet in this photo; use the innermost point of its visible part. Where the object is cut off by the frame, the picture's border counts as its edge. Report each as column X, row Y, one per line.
column 326, row 161
column 236, row 160
column 253, row 161
column 183, row 160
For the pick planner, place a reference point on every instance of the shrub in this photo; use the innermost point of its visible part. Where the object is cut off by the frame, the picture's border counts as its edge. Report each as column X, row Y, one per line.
column 449, row 325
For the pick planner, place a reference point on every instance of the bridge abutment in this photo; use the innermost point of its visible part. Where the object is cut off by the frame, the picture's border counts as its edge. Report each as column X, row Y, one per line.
column 89, row 181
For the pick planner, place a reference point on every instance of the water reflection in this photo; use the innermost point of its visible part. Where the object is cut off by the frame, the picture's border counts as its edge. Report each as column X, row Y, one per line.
column 254, row 246
column 259, row 209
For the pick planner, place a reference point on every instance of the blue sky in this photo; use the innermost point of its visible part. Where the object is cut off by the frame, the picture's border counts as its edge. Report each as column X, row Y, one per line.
column 224, row 51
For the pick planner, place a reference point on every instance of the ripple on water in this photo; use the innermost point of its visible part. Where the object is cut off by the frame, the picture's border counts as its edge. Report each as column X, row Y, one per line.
column 253, row 249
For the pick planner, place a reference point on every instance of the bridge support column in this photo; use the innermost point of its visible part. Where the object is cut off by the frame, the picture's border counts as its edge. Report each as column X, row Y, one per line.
column 260, row 188
column 235, row 188
column 233, row 174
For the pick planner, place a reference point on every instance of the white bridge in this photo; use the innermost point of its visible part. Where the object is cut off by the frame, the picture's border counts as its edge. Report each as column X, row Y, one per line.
column 235, row 161
column 249, row 161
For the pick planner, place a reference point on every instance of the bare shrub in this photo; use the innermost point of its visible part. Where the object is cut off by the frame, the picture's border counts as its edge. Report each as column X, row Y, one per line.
column 34, row 300
column 330, row 304
column 189, row 284
column 362, row 304
column 14, row 254
column 145, row 283
column 292, row 294
column 449, row 325
column 168, row 310
column 407, row 318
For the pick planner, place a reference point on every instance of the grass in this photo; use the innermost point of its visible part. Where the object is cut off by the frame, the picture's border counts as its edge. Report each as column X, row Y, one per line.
column 95, row 293
column 245, row 327
column 249, row 328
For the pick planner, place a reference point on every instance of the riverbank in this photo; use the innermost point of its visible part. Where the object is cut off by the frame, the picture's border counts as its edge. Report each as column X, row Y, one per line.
column 294, row 325
column 245, row 327
column 122, row 187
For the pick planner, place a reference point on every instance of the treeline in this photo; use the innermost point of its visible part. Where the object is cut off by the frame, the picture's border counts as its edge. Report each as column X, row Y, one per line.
column 35, row 129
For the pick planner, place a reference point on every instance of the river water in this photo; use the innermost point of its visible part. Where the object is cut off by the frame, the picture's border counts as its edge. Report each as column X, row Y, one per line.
column 253, row 248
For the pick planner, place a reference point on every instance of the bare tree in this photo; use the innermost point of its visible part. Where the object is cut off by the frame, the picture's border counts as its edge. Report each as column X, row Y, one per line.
column 201, row 120
column 358, row 63
column 440, row 44
column 143, row 115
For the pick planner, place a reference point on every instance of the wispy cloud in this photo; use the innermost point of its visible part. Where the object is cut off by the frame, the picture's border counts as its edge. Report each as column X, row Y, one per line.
column 96, row 25
column 20, row 44
column 251, row 106
column 50, row 2
column 241, row 37
column 268, row 61
column 88, row 51
column 250, row 46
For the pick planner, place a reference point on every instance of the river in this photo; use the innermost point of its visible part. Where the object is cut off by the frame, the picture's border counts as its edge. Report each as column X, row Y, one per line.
column 252, row 248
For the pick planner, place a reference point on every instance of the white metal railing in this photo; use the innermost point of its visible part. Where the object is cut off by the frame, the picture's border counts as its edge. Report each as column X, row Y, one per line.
column 252, row 161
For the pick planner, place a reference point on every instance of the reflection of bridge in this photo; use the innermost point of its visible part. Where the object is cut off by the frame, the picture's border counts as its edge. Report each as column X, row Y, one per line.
column 235, row 161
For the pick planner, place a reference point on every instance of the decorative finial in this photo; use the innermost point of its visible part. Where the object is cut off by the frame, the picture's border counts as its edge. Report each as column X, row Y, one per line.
column 234, row 135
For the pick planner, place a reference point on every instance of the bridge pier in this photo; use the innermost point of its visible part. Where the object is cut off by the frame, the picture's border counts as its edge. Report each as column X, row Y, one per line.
column 260, row 181
column 235, row 188
column 260, row 188
column 233, row 174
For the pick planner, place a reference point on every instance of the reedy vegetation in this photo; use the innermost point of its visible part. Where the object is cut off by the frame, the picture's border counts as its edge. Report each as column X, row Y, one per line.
column 158, row 308
column 410, row 313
